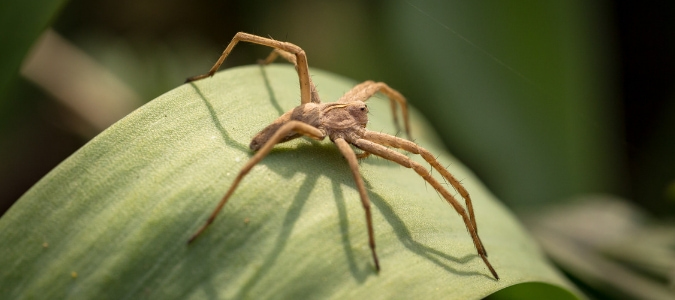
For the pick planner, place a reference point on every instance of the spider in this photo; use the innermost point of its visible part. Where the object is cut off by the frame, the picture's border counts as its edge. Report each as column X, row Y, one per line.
column 344, row 122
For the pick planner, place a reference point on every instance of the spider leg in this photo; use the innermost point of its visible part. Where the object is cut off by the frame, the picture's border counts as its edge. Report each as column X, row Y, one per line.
column 349, row 154
column 403, row 160
column 300, row 63
column 292, row 59
column 367, row 89
column 283, row 131
column 276, row 53
column 362, row 155
column 392, row 141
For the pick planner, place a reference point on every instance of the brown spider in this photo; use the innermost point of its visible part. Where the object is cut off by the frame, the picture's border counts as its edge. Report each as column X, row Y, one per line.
column 344, row 122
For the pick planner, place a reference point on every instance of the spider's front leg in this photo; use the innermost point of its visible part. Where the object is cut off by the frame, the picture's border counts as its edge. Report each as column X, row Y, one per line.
column 300, row 60
column 283, row 131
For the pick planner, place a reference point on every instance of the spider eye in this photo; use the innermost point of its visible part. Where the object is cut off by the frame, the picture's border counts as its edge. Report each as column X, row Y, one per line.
column 363, row 108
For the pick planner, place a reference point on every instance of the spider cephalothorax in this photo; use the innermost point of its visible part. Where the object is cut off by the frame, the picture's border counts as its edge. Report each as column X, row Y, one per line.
column 344, row 122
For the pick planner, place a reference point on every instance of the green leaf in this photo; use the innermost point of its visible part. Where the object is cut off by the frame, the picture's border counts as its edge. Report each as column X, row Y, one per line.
column 112, row 221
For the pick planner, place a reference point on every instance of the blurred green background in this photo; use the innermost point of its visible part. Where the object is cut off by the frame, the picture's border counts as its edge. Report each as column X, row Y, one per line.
column 550, row 103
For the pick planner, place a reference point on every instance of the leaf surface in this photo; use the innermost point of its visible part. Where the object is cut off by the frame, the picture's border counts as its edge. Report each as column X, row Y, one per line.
column 112, row 220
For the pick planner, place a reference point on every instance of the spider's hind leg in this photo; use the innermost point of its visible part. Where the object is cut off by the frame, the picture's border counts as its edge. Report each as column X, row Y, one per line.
column 392, row 141
column 377, row 145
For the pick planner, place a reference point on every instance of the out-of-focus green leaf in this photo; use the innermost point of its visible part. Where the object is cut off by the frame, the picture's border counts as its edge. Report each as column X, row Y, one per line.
column 112, row 220
column 21, row 22
column 520, row 89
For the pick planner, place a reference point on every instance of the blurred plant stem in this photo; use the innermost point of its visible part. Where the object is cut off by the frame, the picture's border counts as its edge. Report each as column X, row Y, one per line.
column 95, row 95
